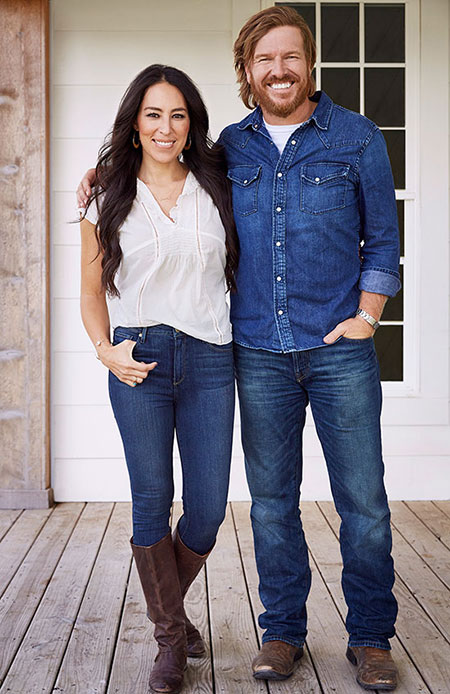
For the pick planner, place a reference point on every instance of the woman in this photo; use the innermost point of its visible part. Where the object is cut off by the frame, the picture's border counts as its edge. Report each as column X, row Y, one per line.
column 158, row 252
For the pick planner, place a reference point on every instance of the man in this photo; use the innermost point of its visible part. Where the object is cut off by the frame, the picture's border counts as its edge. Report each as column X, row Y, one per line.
column 311, row 181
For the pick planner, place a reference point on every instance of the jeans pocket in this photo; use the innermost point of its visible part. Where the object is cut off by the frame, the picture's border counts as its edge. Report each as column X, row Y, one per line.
column 323, row 187
column 245, row 182
column 121, row 334
column 357, row 340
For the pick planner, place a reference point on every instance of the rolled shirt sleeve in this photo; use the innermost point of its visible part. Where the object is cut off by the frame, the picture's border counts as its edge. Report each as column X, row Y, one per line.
column 379, row 225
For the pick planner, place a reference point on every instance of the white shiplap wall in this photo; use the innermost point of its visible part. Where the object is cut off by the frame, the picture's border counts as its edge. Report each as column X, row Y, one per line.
column 97, row 48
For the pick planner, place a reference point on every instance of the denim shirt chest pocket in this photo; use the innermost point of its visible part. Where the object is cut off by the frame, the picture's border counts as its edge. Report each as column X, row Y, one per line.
column 245, row 180
column 325, row 186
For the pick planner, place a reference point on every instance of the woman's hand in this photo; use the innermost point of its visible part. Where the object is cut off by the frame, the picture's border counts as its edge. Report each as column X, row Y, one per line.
column 84, row 188
column 119, row 360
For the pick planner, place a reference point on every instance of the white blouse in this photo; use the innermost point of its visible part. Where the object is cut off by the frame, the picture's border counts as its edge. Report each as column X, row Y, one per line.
column 172, row 272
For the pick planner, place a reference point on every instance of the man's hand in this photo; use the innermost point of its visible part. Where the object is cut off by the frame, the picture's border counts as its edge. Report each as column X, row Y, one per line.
column 84, row 189
column 354, row 328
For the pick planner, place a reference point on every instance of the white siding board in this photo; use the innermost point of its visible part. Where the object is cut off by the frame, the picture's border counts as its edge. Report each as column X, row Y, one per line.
column 81, row 55
column 70, row 159
column 65, row 227
column 82, row 111
column 178, row 15
column 68, row 333
column 66, row 273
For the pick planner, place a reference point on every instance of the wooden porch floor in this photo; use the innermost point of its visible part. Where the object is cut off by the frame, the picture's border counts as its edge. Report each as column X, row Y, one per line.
column 72, row 616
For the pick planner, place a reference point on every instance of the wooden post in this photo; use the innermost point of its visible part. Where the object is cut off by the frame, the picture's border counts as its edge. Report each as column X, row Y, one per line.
column 24, row 255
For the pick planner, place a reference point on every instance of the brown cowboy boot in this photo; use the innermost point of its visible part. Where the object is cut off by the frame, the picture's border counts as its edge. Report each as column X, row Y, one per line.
column 376, row 668
column 276, row 660
column 189, row 564
column 157, row 571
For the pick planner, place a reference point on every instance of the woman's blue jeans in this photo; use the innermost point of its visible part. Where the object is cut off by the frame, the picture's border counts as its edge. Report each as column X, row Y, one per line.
column 341, row 381
column 190, row 392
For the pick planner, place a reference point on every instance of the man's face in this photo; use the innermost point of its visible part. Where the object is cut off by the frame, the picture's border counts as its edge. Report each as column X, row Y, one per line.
column 278, row 74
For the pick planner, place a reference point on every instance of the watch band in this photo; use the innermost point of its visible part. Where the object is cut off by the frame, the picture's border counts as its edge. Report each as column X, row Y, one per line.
column 368, row 318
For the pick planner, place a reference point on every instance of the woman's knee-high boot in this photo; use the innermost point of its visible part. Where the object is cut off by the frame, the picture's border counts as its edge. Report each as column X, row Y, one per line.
column 158, row 573
column 189, row 564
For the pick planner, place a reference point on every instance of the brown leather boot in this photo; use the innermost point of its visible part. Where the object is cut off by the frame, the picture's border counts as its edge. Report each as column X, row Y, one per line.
column 157, row 569
column 189, row 564
column 276, row 660
column 376, row 669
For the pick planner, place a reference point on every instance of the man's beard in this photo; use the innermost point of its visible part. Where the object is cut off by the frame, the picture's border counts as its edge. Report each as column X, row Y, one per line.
column 281, row 110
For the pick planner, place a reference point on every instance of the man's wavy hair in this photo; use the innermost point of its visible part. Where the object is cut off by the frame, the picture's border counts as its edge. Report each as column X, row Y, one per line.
column 254, row 29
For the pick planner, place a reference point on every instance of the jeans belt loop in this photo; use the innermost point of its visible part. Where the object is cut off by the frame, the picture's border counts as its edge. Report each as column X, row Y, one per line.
column 143, row 334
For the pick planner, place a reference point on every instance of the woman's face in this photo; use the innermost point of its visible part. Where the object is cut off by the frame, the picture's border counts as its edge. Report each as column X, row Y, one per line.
column 163, row 123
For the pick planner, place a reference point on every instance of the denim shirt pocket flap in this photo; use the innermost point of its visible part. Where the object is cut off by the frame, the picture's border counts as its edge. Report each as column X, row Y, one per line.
column 245, row 181
column 323, row 186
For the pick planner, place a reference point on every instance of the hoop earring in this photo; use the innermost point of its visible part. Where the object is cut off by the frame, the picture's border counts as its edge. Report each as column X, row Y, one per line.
column 135, row 144
column 188, row 144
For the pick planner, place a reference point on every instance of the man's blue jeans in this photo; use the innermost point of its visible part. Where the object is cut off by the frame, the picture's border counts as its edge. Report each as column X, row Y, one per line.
column 191, row 391
column 341, row 381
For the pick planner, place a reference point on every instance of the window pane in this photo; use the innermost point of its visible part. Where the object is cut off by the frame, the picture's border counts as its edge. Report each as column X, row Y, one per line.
column 394, row 306
column 307, row 10
column 384, row 27
column 395, row 140
column 340, row 32
column 342, row 85
column 401, row 224
column 389, row 346
column 385, row 95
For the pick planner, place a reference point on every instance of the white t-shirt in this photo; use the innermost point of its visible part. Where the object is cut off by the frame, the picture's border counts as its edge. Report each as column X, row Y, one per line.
column 280, row 134
column 172, row 272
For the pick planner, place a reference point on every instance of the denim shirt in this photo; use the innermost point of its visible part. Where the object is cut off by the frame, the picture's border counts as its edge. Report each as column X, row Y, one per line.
column 301, row 217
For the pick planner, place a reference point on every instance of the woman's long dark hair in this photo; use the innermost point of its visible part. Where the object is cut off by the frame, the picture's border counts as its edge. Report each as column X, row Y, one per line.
column 119, row 163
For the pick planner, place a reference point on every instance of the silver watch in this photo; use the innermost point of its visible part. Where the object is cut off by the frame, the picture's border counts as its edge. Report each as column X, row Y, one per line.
column 367, row 317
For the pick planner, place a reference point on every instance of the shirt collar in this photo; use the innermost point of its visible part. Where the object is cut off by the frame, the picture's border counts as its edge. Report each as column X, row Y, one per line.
column 321, row 115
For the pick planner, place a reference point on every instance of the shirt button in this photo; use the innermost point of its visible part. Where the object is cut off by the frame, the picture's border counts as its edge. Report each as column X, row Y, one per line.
column 317, row 179
column 246, row 181
column 278, row 279
column 279, row 174
column 278, row 209
column 278, row 243
column 280, row 312
column 293, row 142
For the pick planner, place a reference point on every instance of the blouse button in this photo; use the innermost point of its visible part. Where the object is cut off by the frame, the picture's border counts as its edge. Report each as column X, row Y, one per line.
column 278, row 279
column 280, row 312
column 278, row 209
column 317, row 179
column 293, row 142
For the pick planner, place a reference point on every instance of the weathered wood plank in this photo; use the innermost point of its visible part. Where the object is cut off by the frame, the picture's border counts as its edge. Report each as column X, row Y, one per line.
column 136, row 648
column 87, row 660
column 434, row 518
column 433, row 552
column 304, row 678
column 233, row 634
column 23, row 595
column 418, row 643
column 36, row 664
column 17, row 542
column 7, row 519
